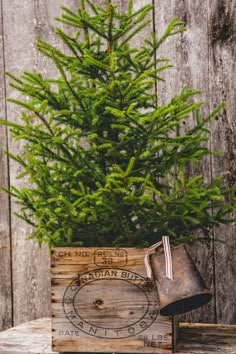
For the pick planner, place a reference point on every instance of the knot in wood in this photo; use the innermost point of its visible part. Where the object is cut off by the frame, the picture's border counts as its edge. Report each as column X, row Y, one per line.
column 99, row 303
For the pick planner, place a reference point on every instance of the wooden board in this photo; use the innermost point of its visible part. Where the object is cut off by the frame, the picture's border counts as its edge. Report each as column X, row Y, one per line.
column 23, row 23
column 30, row 337
column 188, row 52
column 100, row 303
column 28, row 290
column 199, row 338
column 5, row 234
column 222, row 85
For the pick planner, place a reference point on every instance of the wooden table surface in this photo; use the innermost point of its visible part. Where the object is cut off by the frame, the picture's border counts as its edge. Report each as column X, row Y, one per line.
column 194, row 338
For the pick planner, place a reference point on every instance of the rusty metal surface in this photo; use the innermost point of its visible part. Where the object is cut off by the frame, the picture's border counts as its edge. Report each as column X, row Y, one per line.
column 187, row 290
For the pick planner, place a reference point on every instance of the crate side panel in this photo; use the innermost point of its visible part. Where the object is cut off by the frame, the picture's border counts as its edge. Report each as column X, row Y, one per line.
column 100, row 302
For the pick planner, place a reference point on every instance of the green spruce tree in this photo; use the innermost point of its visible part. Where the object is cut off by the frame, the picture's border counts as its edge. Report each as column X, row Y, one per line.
column 106, row 164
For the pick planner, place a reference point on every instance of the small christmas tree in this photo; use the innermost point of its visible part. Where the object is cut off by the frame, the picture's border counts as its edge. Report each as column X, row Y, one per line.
column 106, row 164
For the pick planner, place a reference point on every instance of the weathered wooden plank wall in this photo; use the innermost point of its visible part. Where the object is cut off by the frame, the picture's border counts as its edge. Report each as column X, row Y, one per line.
column 204, row 58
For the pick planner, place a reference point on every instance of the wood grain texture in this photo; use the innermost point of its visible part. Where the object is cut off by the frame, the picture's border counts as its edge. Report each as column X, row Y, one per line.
column 222, row 84
column 23, row 22
column 188, row 53
column 100, row 302
column 30, row 337
column 206, row 338
column 5, row 237
column 194, row 338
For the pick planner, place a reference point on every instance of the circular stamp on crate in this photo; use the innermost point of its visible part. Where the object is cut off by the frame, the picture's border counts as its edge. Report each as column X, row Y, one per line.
column 110, row 303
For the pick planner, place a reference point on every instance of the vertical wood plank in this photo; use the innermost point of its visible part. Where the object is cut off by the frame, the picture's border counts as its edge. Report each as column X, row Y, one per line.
column 189, row 54
column 5, row 241
column 222, row 55
column 23, row 23
column 29, row 265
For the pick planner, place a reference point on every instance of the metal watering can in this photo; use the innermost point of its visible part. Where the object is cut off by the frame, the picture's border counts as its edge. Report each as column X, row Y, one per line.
column 186, row 291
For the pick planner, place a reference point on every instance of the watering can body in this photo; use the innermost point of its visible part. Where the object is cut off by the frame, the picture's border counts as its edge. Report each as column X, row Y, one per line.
column 187, row 291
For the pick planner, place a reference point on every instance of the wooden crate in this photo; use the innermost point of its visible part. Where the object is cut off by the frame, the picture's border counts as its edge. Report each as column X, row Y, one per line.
column 101, row 303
